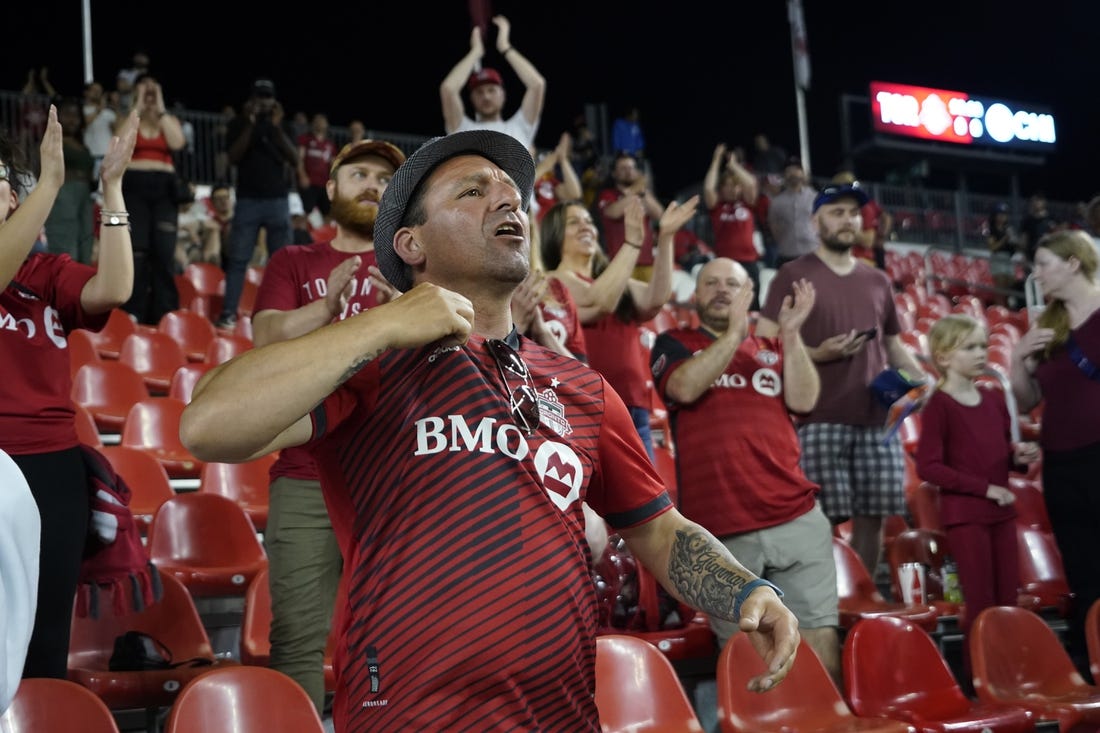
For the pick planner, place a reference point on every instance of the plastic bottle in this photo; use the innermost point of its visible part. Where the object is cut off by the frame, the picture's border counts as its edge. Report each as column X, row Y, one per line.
column 952, row 591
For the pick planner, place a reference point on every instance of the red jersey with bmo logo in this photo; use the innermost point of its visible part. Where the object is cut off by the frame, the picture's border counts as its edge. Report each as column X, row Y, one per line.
column 737, row 451
column 470, row 605
column 38, row 310
column 733, row 224
column 296, row 276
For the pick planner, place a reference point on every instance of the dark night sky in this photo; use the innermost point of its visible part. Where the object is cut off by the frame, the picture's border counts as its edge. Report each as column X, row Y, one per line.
column 701, row 72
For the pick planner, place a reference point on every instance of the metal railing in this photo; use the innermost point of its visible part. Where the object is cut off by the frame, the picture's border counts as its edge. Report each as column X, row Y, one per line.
column 954, row 219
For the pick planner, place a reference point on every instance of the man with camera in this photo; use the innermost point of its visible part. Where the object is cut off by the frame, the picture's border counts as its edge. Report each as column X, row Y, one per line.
column 262, row 152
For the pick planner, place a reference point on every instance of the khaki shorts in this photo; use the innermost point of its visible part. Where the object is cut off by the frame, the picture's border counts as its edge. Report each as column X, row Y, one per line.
column 798, row 557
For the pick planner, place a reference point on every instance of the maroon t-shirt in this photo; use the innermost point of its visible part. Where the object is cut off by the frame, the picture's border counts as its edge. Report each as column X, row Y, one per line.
column 1071, row 413
column 38, row 310
column 963, row 449
column 859, row 300
column 470, row 601
column 296, row 276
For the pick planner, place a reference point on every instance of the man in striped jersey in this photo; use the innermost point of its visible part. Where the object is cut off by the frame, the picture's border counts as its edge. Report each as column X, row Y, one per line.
column 454, row 458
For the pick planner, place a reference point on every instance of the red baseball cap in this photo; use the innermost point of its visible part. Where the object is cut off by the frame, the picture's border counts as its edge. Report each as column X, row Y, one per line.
column 484, row 76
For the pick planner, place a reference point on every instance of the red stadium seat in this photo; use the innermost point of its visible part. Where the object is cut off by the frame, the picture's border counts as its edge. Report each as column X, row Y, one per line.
column 243, row 700
column 86, row 430
column 208, row 543
column 637, row 688
column 246, row 483
column 192, row 331
column 153, row 425
column 208, row 279
column 185, row 378
column 922, row 689
column 224, row 347
column 807, row 700
column 1017, row 659
column 155, row 356
column 858, row 598
column 173, row 621
column 82, row 349
column 927, row 547
column 108, row 340
column 148, row 481
column 47, row 704
column 107, row 390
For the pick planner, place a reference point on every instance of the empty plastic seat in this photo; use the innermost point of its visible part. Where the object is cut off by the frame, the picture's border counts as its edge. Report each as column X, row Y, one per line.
column 224, row 347
column 243, row 699
column 108, row 340
column 921, row 689
column 107, row 390
column 44, row 704
column 82, row 349
column 1016, row 658
column 192, row 331
column 145, row 476
column 637, row 689
column 153, row 425
column 155, row 356
column 807, row 700
column 207, row 542
column 246, row 483
column 186, row 377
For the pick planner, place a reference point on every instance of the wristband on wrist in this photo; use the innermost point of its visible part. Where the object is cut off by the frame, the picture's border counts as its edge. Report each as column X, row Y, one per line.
column 631, row 244
column 746, row 590
column 114, row 218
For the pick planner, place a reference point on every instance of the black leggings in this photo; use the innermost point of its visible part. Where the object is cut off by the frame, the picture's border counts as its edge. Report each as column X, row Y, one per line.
column 59, row 484
column 1072, row 495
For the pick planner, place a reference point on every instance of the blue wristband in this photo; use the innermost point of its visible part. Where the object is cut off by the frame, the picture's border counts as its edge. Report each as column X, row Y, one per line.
column 749, row 588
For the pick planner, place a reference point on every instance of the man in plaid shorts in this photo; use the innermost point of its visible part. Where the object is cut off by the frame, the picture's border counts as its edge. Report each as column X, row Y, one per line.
column 852, row 336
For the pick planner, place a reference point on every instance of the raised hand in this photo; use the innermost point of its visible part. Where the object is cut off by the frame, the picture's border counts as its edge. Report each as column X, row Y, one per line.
column 504, row 32
column 428, row 313
column 50, row 152
column 796, row 307
column 676, row 215
column 341, row 285
column 119, row 150
column 384, row 291
column 634, row 221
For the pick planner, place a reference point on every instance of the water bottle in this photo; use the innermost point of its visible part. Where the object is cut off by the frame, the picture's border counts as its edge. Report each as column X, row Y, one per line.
column 952, row 591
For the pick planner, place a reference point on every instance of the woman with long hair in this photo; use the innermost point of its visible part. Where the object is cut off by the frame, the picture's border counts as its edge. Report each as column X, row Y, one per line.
column 611, row 304
column 45, row 297
column 1057, row 362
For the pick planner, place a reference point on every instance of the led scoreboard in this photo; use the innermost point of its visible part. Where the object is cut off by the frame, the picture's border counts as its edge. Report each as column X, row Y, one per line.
column 960, row 118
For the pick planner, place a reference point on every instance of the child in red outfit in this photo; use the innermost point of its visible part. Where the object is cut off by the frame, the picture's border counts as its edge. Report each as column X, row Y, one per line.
column 966, row 449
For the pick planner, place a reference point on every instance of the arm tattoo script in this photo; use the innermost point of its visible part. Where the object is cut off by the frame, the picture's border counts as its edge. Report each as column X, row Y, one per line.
column 699, row 568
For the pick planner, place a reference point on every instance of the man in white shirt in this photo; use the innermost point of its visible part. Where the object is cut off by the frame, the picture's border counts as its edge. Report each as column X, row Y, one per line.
column 20, row 528
column 487, row 90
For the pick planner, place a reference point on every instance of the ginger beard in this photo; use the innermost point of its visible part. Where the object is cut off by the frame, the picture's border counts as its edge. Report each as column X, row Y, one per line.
column 357, row 214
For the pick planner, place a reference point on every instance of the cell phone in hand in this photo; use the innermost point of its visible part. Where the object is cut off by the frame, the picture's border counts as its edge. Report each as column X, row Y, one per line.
column 869, row 334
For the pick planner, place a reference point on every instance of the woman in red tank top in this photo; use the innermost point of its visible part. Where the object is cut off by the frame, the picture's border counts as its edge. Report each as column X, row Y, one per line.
column 150, row 190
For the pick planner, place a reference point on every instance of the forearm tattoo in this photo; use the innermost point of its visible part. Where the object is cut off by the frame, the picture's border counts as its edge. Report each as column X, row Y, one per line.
column 357, row 365
column 701, row 573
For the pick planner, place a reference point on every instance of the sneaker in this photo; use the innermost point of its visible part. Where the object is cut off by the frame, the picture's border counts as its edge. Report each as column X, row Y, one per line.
column 226, row 323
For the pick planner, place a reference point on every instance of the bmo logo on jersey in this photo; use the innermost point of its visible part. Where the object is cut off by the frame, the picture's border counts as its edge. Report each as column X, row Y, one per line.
column 51, row 326
column 557, row 464
column 765, row 380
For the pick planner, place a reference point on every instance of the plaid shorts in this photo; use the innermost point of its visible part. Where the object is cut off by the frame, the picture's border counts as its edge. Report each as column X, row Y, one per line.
column 858, row 475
